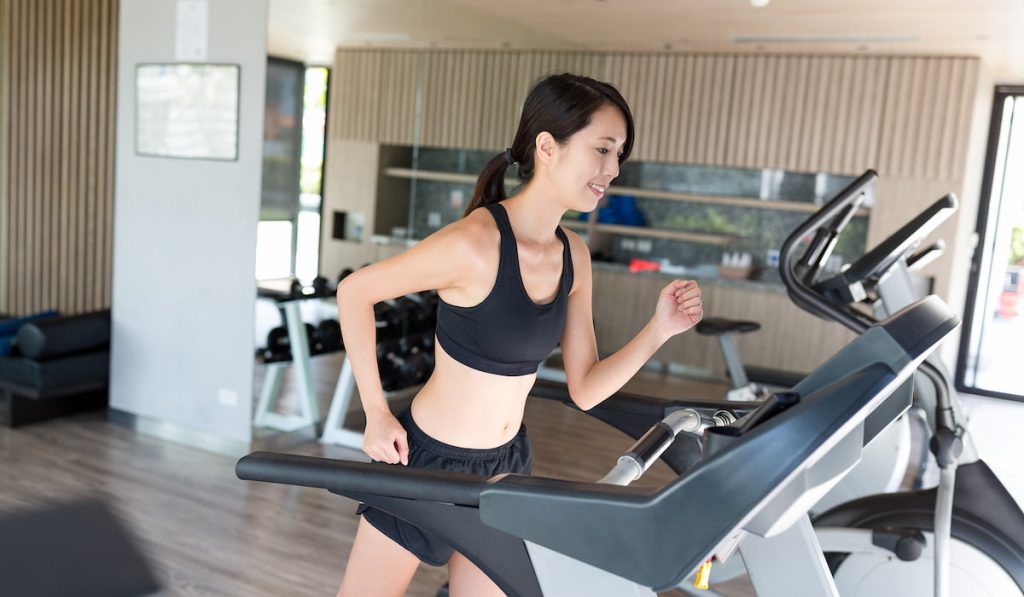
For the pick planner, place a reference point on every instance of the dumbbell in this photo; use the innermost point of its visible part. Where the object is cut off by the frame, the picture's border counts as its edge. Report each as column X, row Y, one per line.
column 415, row 368
column 279, row 345
column 320, row 286
column 389, row 363
column 327, row 337
column 388, row 321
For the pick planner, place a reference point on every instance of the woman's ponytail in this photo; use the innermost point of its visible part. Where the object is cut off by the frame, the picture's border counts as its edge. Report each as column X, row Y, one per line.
column 490, row 185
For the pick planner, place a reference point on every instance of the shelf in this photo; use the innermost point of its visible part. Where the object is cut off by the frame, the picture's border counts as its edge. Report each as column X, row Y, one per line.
column 696, row 237
column 779, row 204
column 434, row 175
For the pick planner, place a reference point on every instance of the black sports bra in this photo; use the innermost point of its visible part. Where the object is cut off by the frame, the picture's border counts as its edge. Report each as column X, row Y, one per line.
column 506, row 333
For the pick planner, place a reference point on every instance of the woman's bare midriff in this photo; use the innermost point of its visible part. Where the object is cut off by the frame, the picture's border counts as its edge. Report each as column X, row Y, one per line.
column 464, row 407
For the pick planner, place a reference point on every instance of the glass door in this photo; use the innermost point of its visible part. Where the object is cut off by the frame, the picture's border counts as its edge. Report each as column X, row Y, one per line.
column 993, row 337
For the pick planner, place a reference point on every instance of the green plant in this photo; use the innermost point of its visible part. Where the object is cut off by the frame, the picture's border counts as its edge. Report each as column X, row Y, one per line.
column 1017, row 245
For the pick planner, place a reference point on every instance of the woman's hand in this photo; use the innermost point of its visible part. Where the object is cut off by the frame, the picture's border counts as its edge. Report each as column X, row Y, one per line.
column 679, row 308
column 385, row 440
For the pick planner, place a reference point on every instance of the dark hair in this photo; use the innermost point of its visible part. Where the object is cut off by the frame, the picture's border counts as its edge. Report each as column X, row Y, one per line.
column 561, row 105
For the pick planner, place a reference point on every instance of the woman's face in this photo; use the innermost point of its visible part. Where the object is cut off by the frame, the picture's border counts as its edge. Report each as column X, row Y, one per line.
column 589, row 161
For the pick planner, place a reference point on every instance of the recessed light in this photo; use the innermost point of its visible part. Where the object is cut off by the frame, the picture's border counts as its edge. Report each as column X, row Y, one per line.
column 759, row 3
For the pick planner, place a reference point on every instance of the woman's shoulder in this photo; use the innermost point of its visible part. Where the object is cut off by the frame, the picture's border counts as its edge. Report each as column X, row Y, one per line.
column 475, row 235
column 475, row 229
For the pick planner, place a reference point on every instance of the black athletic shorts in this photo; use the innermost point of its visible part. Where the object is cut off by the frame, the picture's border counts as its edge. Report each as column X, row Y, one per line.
column 516, row 456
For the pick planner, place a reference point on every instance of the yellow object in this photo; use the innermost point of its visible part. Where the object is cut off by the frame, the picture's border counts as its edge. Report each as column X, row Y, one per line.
column 703, row 575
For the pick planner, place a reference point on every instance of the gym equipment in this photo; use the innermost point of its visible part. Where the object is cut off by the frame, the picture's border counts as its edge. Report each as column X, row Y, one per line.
column 748, row 493
column 881, row 280
column 724, row 330
column 327, row 337
column 298, row 336
column 61, row 366
column 72, row 548
column 9, row 327
column 279, row 344
column 970, row 514
column 279, row 353
column 320, row 286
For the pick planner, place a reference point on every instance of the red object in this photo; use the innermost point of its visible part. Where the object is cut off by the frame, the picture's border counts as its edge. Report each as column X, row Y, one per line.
column 1008, row 304
column 643, row 265
column 1013, row 293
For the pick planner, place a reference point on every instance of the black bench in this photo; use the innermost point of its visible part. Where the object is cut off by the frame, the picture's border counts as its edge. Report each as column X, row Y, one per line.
column 59, row 366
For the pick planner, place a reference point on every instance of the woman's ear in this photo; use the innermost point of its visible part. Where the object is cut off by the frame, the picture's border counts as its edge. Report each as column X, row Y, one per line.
column 546, row 147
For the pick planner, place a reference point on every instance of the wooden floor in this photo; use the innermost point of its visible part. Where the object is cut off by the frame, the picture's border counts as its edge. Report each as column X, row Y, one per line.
column 207, row 533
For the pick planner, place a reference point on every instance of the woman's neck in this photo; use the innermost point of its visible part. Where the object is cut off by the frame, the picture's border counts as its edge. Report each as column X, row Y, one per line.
column 535, row 213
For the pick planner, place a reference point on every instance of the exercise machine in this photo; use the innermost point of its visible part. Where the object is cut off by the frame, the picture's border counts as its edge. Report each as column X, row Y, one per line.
column 748, row 493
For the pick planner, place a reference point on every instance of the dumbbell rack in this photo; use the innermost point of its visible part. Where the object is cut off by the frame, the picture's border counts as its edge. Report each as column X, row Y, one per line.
column 265, row 415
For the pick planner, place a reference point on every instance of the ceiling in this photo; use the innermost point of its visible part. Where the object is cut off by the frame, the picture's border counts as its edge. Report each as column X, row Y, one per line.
column 310, row 30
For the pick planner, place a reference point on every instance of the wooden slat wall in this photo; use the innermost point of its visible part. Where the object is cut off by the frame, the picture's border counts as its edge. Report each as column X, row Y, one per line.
column 905, row 116
column 466, row 99
column 927, row 117
column 57, row 202
column 5, row 69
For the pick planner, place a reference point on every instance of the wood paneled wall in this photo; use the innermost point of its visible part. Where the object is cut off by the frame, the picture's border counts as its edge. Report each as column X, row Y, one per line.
column 465, row 99
column 926, row 128
column 56, row 203
column 905, row 116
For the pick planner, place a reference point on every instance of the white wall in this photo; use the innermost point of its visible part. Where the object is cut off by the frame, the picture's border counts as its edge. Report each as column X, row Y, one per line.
column 185, row 239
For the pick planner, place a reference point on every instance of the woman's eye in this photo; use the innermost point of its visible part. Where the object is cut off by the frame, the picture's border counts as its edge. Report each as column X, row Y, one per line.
column 602, row 150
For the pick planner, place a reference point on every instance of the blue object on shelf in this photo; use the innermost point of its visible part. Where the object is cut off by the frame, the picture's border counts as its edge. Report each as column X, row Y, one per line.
column 623, row 210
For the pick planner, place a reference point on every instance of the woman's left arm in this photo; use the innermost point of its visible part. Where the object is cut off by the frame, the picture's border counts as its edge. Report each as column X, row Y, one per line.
column 590, row 379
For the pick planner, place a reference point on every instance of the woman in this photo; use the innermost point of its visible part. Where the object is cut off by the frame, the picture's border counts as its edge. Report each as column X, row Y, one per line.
column 513, row 285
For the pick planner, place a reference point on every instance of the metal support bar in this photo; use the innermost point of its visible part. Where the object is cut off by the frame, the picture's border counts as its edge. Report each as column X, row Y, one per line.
column 805, row 571
column 309, row 412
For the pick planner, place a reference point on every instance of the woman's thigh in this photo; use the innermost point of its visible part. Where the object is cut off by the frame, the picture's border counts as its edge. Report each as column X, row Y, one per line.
column 376, row 565
column 466, row 580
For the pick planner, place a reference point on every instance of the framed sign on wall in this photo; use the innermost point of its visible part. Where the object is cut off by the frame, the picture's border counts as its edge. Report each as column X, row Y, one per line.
column 187, row 111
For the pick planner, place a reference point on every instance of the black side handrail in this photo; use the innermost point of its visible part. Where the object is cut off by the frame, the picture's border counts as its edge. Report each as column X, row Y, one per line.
column 361, row 477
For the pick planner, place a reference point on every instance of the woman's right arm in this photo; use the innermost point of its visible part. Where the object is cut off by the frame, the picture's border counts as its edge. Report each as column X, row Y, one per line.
column 442, row 260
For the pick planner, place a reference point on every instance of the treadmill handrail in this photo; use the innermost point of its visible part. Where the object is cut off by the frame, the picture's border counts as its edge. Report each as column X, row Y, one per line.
column 899, row 243
column 802, row 294
column 362, row 477
column 925, row 256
